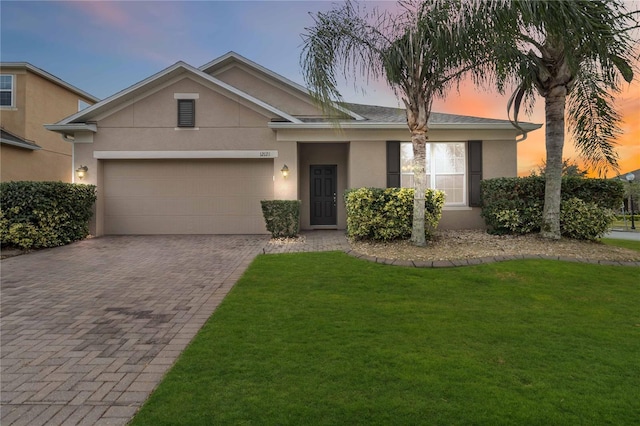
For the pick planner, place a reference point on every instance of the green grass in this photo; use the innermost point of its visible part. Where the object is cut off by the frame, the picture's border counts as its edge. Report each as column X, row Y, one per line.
column 629, row 244
column 326, row 339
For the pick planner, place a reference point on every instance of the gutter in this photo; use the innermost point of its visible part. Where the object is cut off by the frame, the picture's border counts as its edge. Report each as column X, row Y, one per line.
column 402, row 126
column 69, row 129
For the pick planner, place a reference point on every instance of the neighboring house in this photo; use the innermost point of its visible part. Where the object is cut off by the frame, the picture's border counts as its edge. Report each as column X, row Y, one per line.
column 29, row 98
column 194, row 150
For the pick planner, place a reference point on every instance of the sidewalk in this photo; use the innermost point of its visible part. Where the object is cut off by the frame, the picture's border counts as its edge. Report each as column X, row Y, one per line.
column 623, row 235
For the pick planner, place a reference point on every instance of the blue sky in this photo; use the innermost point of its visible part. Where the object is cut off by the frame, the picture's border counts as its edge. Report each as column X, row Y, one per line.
column 103, row 47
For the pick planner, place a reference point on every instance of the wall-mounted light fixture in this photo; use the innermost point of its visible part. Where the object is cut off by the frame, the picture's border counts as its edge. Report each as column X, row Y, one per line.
column 285, row 171
column 81, row 172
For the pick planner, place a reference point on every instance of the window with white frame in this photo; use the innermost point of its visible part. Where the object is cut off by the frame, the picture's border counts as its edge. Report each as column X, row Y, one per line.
column 6, row 90
column 445, row 169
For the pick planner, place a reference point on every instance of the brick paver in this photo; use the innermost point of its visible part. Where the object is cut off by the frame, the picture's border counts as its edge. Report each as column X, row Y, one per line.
column 88, row 330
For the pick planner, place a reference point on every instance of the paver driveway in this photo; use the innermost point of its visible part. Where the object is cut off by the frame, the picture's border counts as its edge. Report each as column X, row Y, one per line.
column 88, row 330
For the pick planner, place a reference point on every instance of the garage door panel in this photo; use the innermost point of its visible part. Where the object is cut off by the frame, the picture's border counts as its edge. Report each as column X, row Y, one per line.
column 140, row 225
column 186, row 196
column 181, row 206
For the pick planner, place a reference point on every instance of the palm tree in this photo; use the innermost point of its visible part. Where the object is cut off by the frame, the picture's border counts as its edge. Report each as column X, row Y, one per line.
column 414, row 51
column 574, row 54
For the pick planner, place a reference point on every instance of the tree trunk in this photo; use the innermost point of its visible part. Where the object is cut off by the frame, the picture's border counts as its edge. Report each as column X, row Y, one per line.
column 554, row 141
column 419, row 141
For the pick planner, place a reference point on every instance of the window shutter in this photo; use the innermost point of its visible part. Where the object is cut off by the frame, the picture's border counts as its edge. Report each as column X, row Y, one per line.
column 186, row 112
column 475, row 173
column 393, row 164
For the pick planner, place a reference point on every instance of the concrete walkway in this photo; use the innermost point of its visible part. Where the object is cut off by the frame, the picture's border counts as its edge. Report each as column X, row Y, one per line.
column 624, row 235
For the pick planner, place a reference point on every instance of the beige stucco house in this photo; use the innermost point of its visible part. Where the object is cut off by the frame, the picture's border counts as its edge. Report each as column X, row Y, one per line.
column 194, row 150
column 29, row 98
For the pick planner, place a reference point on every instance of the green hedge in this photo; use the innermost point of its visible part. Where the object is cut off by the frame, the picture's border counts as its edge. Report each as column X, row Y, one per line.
column 514, row 205
column 387, row 214
column 282, row 217
column 44, row 214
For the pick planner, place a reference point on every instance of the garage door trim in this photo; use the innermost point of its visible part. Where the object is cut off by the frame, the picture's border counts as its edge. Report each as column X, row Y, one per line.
column 178, row 155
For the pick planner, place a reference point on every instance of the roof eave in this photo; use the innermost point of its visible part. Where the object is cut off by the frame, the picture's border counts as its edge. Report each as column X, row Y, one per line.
column 32, row 147
column 71, row 128
column 48, row 76
column 401, row 126
column 85, row 114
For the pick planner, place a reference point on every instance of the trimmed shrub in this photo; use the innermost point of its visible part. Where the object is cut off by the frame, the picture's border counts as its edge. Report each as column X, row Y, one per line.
column 44, row 214
column 387, row 214
column 584, row 221
column 515, row 205
column 282, row 217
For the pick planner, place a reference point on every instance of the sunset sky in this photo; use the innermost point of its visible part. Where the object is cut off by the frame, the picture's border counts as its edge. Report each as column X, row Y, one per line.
column 104, row 47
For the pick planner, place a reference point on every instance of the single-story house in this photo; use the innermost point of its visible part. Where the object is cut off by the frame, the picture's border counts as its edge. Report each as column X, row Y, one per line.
column 194, row 150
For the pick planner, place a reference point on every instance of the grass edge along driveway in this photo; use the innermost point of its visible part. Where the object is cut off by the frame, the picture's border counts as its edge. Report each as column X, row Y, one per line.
column 323, row 338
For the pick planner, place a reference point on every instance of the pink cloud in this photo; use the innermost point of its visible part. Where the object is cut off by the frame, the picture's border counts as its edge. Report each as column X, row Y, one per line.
column 151, row 30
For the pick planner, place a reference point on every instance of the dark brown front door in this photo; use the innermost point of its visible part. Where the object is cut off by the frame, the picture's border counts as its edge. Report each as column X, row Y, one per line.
column 323, row 181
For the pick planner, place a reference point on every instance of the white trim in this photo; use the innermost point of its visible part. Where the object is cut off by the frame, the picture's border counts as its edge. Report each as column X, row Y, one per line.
column 73, row 163
column 159, row 155
column 20, row 145
column 382, row 125
column 71, row 128
column 12, row 105
column 186, row 96
column 186, row 128
column 456, row 208
column 169, row 72
column 431, row 150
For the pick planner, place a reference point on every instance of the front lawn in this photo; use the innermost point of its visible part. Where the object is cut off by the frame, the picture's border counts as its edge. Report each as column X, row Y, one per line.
column 629, row 244
column 323, row 338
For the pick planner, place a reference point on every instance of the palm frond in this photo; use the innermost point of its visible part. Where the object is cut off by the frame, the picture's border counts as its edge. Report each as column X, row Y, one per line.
column 593, row 121
column 341, row 42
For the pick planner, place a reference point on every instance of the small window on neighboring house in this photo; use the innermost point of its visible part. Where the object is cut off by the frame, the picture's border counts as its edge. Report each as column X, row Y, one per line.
column 6, row 90
column 82, row 105
column 186, row 112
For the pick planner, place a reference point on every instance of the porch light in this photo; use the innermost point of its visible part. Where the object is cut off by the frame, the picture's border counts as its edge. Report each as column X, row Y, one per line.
column 285, row 171
column 81, row 172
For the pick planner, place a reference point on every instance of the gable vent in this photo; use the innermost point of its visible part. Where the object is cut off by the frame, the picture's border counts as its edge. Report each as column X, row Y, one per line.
column 186, row 112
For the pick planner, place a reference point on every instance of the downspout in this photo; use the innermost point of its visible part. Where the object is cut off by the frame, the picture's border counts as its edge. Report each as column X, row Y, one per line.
column 73, row 155
column 524, row 137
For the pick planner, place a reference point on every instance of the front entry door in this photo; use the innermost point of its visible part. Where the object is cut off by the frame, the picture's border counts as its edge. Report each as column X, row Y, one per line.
column 324, row 198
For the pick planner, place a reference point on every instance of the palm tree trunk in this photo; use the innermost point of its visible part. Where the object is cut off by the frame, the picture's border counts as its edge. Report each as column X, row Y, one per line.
column 419, row 142
column 554, row 140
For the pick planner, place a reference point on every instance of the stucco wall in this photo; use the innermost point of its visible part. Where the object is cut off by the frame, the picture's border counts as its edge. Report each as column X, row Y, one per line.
column 499, row 159
column 368, row 164
column 37, row 102
column 149, row 124
column 267, row 90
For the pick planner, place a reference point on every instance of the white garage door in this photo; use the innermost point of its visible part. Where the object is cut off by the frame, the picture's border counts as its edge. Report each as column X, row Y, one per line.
column 186, row 196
